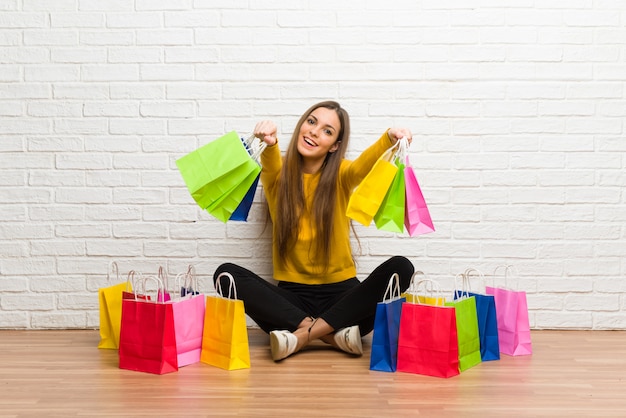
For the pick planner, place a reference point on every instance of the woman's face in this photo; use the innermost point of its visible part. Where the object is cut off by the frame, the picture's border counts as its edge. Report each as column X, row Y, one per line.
column 318, row 135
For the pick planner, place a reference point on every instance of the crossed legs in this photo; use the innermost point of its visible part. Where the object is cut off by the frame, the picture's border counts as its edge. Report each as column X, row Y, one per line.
column 295, row 315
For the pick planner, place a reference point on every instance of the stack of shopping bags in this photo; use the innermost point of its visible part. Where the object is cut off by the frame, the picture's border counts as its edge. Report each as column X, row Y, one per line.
column 222, row 176
column 391, row 196
column 423, row 332
column 156, row 330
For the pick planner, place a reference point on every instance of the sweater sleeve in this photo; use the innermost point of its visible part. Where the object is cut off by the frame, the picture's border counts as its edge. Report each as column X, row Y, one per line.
column 271, row 163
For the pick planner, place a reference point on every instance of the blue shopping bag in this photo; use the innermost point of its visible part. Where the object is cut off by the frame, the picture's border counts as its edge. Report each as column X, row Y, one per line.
column 384, row 353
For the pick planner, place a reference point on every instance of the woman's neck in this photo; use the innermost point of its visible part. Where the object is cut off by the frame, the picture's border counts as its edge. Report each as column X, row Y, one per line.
column 312, row 166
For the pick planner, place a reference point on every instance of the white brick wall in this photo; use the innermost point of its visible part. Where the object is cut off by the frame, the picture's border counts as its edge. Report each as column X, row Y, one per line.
column 517, row 108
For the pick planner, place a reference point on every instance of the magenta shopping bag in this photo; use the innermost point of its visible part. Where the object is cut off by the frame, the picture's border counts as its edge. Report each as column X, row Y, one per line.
column 417, row 218
column 512, row 316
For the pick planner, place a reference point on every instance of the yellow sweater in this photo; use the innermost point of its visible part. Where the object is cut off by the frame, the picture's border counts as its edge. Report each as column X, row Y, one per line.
column 300, row 264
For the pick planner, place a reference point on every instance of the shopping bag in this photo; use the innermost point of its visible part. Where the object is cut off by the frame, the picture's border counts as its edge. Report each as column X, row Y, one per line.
column 147, row 336
column 188, row 313
column 467, row 327
column 390, row 215
column 417, row 218
column 225, row 206
column 428, row 341
column 384, row 352
column 110, row 304
column 366, row 199
column 242, row 211
column 225, row 336
column 215, row 168
column 512, row 316
column 487, row 318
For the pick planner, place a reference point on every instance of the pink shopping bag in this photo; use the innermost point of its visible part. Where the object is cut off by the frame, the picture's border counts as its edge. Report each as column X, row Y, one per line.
column 188, row 319
column 417, row 218
column 512, row 317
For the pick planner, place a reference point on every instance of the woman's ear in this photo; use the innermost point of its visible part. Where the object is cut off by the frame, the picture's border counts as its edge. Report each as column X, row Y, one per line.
column 335, row 147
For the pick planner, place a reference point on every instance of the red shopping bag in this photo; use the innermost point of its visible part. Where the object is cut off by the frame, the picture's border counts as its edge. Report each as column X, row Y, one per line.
column 417, row 218
column 147, row 338
column 428, row 342
column 188, row 319
column 512, row 316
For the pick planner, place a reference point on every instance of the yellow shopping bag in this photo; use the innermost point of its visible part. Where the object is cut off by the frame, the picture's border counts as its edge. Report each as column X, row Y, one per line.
column 225, row 335
column 110, row 303
column 370, row 193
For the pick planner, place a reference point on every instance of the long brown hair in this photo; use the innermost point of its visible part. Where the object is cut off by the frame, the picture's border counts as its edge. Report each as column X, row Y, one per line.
column 291, row 195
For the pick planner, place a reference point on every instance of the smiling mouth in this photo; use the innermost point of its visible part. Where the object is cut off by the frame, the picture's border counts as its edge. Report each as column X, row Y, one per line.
column 309, row 142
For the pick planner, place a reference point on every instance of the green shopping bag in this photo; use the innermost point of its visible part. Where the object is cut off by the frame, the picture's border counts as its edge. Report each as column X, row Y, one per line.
column 216, row 168
column 224, row 207
column 390, row 215
column 467, row 331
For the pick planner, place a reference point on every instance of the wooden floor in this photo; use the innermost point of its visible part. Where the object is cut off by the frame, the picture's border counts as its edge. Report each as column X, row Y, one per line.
column 62, row 373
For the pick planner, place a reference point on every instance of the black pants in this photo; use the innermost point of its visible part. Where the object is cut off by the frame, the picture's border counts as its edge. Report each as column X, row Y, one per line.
column 342, row 304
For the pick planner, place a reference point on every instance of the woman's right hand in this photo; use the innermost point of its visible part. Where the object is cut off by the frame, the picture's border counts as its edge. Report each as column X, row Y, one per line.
column 266, row 131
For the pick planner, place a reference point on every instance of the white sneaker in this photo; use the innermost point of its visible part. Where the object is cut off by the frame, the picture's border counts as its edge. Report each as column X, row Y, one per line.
column 282, row 344
column 349, row 340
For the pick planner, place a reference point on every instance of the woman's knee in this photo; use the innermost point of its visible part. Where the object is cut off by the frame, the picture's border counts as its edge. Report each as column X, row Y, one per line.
column 402, row 265
column 405, row 268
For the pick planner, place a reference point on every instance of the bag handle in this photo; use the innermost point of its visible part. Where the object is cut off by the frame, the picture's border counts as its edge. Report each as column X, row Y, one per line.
column 159, row 288
column 465, row 286
column 478, row 274
column 232, row 289
column 431, row 288
column 188, row 281
column 413, row 283
column 507, row 268
column 162, row 276
column 254, row 148
column 402, row 154
column 132, row 279
column 113, row 268
column 391, row 152
column 393, row 288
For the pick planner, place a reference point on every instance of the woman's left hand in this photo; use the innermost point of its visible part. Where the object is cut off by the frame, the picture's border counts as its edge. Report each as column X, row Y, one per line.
column 395, row 134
